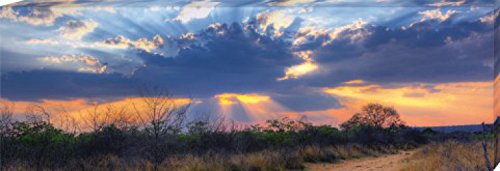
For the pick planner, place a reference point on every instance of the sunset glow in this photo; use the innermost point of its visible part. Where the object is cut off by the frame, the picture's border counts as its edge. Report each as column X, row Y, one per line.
column 455, row 103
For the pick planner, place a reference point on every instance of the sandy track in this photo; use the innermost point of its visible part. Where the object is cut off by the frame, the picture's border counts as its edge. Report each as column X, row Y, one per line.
column 393, row 162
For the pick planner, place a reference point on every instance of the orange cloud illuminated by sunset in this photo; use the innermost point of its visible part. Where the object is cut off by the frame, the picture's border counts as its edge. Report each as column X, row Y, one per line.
column 425, row 104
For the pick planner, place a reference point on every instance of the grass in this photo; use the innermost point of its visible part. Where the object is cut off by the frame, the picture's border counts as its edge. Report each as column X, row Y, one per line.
column 449, row 155
column 266, row 160
column 275, row 160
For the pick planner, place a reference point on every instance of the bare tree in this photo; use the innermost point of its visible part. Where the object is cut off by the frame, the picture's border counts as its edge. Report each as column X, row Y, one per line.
column 94, row 117
column 160, row 117
column 39, row 118
column 121, row 117
column 67, row 121
column 37, row 113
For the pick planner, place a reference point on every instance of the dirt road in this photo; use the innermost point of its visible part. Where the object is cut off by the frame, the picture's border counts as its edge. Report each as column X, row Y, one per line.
column 394, row 162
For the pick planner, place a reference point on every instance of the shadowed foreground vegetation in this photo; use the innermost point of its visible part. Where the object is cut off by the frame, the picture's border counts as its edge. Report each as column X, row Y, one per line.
column 164, row 142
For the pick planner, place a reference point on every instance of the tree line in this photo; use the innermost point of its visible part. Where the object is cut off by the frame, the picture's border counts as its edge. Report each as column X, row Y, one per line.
column 162, row 131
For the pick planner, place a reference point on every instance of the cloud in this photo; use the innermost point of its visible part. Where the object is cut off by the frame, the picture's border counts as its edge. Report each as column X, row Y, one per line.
column 118, row 42
column 302, row 69
column 156, row 8
column 196, row 10
column 99, row 8
column 354, row 32
column 187, row 36
column 304, row 98
column 253, row 59
column 257, row 107
column 256, row 61
column 121, row 42
column 46, row 13
column 61, row 42
column 404, row 59
column 71, row 113
column 74, row 29
column 448, row 3
column 277, row 20
column 308, row 33
column 491, row 18
column 290, row 2
column 449, row 103
column 233, row 98
column 417, row 55
column 8, row 13
column 435, row 15
column 53, row 106
column 37, row 15
column 90, row 63
column 60, row 84
column 248, row 107
column 238, row 58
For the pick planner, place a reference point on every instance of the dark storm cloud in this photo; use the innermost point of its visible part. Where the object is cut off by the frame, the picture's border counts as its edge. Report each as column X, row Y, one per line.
column 461, row 52
column 300, row 99
column 233, row 59
column 47, row 84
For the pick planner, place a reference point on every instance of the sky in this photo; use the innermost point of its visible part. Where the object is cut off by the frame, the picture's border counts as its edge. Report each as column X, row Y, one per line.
column 249, row 61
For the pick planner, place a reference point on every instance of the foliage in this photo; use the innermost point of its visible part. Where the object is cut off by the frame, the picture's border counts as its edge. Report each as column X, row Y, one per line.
column 374, row 115
column 158, row 142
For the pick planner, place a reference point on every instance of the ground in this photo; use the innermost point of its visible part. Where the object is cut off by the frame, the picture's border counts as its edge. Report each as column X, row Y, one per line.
column 393, row 162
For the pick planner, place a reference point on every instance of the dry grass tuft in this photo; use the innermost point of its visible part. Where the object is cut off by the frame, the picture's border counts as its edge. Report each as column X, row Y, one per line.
column 450, row 155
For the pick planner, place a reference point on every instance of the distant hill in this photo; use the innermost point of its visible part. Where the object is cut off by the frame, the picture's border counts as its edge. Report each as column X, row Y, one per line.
column 456, row 128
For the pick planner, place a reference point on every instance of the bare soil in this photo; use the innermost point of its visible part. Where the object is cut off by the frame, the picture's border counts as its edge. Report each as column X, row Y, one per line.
column 392, row 162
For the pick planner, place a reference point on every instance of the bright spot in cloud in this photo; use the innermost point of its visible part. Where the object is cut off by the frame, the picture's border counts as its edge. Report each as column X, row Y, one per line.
column 233, row 98
column 297, row 71
column 278, row 20
column 490, row 19
column 196, row 10
column 290, row 2
column 256, row 107
column 435, row 14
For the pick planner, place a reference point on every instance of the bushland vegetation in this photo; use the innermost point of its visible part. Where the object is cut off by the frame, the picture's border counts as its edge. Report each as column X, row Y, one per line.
column 450, row 155
column 163, row 139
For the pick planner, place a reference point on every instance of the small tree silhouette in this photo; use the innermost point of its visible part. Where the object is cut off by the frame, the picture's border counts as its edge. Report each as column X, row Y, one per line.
column 160, row 117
